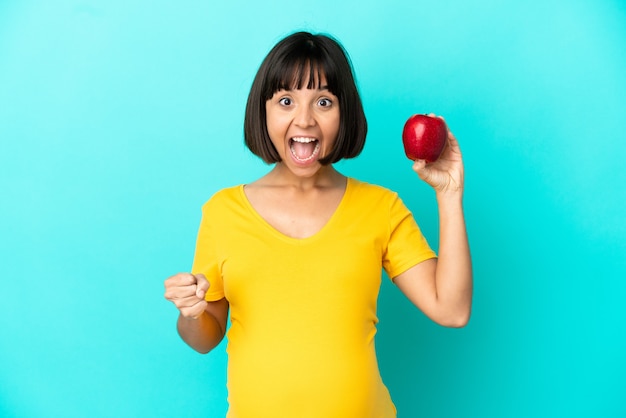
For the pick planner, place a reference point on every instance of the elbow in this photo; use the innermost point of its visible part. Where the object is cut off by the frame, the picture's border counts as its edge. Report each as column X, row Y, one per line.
column 456, row 315
column 201, row 347
column 457, row 320
column 460, row 322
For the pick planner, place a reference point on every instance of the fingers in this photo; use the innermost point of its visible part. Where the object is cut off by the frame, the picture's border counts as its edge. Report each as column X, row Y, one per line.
column 202, row 285
column 423, row 171
column 432, row 115
column 419, row 165
column 179, row 286
column 194, row 311
column 180, row 279
column 190, row 306
column 186, row 302
column 187, row 293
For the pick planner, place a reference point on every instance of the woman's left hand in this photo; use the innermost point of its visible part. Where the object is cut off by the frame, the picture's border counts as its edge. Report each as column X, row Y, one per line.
column 446, row 174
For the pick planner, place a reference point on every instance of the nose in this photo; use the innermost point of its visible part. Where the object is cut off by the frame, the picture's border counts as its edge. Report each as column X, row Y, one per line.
column 304, row 117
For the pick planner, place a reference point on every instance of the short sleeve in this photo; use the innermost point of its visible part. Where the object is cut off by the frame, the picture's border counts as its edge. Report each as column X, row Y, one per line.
column 407, row 246
column 205, row 259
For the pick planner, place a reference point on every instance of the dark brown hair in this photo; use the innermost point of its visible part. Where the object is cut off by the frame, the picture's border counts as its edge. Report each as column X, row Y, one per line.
column 296, row 57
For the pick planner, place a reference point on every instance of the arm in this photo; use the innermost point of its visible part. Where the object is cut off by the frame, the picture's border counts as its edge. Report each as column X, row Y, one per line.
column 442, row 288
column 201, row 324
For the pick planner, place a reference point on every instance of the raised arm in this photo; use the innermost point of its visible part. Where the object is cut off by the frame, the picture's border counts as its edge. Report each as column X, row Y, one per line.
column 442, row 288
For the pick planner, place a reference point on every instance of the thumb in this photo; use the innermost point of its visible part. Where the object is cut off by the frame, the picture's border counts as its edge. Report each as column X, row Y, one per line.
column 422, row 170
column 418, row 165
column 202, row 285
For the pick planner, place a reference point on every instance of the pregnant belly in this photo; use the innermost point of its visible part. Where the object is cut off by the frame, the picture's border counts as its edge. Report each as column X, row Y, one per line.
column 317, row 381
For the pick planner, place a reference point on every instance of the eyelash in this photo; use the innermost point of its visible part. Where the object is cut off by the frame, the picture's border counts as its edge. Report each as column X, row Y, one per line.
column 286, row 101
column 328, row 101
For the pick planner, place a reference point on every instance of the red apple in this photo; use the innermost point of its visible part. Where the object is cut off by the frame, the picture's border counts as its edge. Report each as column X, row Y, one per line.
column 424, row 137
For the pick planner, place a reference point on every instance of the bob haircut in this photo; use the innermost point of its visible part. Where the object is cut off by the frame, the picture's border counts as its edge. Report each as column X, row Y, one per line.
column 303, row 59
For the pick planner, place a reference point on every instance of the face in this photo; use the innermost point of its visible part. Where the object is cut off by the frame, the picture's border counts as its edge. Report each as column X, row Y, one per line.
column 303, row 125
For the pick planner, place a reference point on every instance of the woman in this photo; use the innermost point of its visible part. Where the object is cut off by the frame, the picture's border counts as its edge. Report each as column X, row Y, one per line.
column 297, row 255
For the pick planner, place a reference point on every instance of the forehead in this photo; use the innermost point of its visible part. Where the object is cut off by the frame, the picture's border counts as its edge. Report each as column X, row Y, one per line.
column 301, row 74
column 298, row 74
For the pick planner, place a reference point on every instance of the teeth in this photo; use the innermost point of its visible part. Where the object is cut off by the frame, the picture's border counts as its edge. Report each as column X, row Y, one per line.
column 306, row 140
column 303, row 140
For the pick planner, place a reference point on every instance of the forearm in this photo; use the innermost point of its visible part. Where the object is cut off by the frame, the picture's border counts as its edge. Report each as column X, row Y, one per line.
column 454, row 266
column 202, row 334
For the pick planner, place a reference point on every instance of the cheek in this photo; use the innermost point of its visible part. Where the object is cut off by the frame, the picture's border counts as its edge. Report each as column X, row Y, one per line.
column 270, row 123
column 334, row 127
column 275, row 130
column 276, row 134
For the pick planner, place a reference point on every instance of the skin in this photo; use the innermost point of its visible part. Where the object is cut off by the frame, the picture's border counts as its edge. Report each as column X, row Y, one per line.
column 442, row 288
column 298, row 199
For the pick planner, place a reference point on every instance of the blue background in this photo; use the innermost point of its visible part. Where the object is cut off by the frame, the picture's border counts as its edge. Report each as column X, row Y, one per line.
column 119, row 119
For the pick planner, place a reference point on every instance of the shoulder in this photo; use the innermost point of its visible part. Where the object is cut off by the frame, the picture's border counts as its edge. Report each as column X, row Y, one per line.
column 379, row 200
column 370, row 191
column 223, row 198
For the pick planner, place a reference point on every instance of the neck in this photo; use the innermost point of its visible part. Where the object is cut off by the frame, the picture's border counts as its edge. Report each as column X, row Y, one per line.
column 325, row 177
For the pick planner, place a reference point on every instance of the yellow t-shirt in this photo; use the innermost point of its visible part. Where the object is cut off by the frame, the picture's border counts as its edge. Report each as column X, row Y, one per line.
column 303, row 311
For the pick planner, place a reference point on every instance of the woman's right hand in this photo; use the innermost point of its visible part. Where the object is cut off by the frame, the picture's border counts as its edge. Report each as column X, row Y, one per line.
column 187, row 292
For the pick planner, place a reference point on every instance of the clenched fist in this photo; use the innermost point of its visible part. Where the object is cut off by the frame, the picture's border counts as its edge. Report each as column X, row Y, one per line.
column 187, row 291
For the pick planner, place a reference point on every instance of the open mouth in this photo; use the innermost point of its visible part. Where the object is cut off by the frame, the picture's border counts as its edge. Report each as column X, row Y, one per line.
column 304, row 149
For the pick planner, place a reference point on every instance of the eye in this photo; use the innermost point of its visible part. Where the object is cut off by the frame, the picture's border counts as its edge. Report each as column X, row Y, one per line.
column 285, row 101
column 325, row 102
